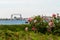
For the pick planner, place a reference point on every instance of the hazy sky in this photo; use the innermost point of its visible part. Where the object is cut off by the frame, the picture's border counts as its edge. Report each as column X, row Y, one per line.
column 28, row 7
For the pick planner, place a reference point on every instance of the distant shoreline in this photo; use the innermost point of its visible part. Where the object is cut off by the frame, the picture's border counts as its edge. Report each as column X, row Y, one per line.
column 14, row 19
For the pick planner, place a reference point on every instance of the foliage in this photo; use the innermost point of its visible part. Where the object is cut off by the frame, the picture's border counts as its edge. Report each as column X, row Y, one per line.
column 41, row 24
column 57, row 26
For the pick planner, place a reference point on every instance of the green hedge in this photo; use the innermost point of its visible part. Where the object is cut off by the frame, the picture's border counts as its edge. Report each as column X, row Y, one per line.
column 14, row 27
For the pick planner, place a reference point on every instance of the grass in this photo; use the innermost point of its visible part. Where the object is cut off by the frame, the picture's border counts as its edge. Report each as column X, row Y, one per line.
column 16, row 32
column 23, row 35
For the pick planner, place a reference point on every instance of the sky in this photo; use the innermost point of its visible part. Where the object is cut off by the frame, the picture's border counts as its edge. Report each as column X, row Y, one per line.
column 28, row 8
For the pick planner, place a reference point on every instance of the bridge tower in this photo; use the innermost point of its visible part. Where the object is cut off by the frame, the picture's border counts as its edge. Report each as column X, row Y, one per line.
column 15, row 17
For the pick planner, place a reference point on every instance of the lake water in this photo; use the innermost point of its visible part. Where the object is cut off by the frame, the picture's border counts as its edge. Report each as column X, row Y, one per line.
column 12, row 22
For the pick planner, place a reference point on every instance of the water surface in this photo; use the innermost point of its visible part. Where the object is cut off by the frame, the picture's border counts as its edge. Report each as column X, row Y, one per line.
column 11, row 22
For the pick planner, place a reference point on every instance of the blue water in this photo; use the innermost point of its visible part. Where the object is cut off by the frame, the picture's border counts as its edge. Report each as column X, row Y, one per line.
column 12, row 22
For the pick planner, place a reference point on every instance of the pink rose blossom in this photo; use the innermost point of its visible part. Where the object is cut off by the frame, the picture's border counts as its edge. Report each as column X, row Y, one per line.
column 33, row 28
column 53, row 15
column 29, row 19
column 51, row 24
